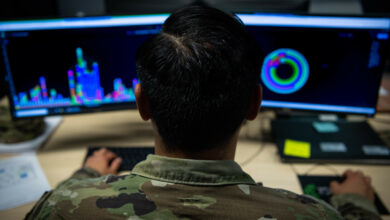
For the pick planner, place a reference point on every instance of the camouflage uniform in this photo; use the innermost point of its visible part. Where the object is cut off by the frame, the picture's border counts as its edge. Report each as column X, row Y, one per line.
column 14, row 131
column 169, row 188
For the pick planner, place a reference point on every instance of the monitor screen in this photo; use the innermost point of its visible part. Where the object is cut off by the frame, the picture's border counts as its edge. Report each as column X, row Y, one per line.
column 73, row 65
column 320, row 63
column 77, row 65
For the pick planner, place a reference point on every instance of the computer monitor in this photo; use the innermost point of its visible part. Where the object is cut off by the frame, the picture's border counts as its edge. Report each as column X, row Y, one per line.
column 320, row 63
column 76, row 65
column 73, row 65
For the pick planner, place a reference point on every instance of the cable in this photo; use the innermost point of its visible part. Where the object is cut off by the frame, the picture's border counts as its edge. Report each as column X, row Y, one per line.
column 329, row 167
column 379, row 120
column 263, row 117
column 293, row 169
column 257, row 153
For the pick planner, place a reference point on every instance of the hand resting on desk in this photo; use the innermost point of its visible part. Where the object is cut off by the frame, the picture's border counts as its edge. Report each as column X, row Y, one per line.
column 355, row 183
column 107, row 162
column 104, row 161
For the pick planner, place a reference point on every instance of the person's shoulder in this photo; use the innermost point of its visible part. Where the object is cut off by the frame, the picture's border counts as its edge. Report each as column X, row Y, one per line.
column 83, row 197
column 296, row 204
column 105, row 186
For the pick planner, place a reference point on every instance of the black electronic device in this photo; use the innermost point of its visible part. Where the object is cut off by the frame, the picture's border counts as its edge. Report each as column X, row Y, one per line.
column 130, row 155
column 338, row 142
column 76, row 65
column 318, row 187
column 320, row 63
column 73, row 65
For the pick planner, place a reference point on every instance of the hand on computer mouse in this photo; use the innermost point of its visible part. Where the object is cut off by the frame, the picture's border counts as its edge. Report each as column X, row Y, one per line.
column 101, row 162
column 355, row 183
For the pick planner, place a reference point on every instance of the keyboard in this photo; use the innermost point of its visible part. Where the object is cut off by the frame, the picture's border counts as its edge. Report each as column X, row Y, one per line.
column 130, row 155
column 318, row 187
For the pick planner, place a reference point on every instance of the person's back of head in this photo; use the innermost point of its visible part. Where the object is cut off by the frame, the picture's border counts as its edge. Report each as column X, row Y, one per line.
column 198, row 76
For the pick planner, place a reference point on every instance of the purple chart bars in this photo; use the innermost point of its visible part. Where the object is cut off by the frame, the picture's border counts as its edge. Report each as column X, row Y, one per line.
column 84, row 89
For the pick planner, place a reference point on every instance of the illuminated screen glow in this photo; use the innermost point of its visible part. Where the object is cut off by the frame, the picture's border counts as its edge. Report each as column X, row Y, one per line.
column 73, row 65
column 320, row 63
column 47, row 77
column 298, row 66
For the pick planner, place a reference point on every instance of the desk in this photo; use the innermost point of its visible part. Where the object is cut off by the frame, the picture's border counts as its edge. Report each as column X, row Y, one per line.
column 64, row 152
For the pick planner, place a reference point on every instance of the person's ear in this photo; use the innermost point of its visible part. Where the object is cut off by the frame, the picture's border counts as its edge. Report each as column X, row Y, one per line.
column 142, row 104
column 255, row 104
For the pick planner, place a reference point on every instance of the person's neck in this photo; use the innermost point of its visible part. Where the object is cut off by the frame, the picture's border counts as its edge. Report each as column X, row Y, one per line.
column 225, row 152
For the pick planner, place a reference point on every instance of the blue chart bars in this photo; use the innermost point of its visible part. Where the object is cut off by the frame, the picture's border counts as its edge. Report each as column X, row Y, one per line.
column 84, row 89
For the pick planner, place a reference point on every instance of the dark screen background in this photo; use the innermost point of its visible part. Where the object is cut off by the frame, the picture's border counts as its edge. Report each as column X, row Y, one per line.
column 339, row 60
column 338, row 63
column 52, row 53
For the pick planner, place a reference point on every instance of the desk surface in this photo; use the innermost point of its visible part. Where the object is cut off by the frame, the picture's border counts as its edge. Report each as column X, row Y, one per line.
column 63, row 153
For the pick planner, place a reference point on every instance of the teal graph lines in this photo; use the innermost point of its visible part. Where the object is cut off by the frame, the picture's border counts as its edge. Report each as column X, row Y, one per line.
column 285, row 71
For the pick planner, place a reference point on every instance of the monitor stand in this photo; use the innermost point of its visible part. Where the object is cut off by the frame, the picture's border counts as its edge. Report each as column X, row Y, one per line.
column 339, row 141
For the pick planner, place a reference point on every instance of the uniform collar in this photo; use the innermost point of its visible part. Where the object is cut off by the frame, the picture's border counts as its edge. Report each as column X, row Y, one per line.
column 192, row 172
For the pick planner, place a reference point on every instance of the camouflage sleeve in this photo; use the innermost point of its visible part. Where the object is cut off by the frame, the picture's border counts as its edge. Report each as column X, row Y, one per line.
column 330, row 211
column 353, row 207
column 83, row 173
column 32, row 214
column 40, row 210
column 323, row 210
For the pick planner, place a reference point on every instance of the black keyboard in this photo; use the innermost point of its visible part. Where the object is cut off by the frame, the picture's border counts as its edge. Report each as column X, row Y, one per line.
column 130, row 155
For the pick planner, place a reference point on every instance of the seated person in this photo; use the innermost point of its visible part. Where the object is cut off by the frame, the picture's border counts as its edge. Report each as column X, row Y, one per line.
column 199, row 82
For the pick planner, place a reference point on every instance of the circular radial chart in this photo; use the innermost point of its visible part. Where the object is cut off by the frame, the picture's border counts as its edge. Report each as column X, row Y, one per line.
column 285, row 71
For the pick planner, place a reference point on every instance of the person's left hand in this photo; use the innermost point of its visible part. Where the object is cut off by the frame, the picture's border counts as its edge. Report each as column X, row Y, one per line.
column 100, row 161
column 355, row 183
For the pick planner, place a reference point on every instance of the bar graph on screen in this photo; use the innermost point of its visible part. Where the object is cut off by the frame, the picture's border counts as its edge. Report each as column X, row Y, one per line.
column 84, row 89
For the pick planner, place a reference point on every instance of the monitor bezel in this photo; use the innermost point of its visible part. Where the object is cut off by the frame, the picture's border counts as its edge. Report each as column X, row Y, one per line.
column 85, row 109
column 132, row 105
column 332, row 16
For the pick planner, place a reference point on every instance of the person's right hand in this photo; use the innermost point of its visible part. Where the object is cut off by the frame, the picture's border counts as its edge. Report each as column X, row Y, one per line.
column 355, row 183
column 100, row 161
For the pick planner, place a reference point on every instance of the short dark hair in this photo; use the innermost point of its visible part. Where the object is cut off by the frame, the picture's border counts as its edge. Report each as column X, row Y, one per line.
column 198, row 76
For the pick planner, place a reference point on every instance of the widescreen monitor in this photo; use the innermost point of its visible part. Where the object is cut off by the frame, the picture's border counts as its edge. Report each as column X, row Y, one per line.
column 320, row 63
column 73, row 65
column 77, row 65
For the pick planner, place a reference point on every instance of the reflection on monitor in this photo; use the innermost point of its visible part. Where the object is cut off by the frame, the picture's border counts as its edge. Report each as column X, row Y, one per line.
column 318, row 63
column 65, row 66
